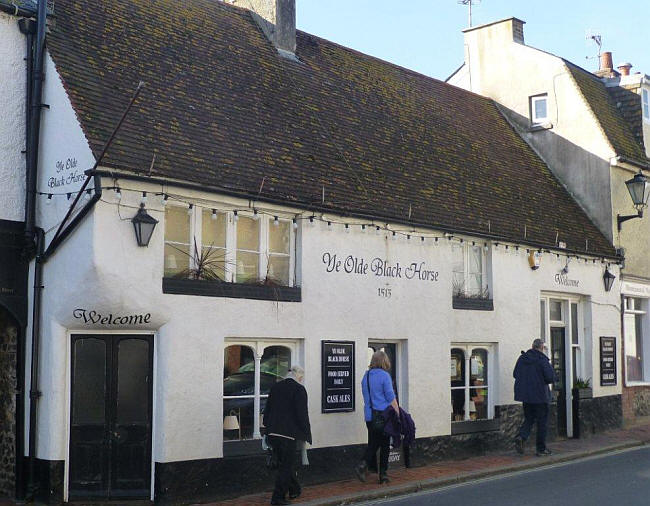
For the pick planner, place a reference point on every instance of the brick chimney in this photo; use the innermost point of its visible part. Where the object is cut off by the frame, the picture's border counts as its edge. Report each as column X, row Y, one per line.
column 606, row 61
column 277, row 19
column 624, row 68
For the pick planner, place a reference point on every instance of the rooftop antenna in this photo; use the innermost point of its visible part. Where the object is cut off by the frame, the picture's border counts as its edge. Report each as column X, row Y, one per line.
column 596, row 37
column 469, row 4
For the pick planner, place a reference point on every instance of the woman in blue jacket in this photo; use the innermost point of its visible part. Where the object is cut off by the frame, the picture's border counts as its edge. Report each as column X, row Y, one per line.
column 378, row 394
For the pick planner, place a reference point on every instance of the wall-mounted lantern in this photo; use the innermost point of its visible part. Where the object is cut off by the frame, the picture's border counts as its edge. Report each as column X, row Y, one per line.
column 143, row 225
column 608, row 279
column 534, row 259
column 639, row 191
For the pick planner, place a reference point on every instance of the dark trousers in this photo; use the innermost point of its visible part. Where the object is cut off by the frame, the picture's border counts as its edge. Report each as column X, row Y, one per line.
column 535, row 413
column 287, row 479
column 377, row 441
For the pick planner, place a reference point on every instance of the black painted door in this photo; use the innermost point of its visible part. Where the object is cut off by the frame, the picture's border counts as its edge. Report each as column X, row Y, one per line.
column 110, row 430
column 391, row 350
column 558, row 360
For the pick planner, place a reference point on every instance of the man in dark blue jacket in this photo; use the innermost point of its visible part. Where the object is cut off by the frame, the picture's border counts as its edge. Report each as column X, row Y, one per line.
column 533, row 374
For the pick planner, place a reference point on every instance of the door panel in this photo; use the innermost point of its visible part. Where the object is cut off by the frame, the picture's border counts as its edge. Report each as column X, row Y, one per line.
column 110, row 436
column 558, row 361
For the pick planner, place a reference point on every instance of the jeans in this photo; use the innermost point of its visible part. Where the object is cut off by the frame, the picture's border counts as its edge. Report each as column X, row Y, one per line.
column 377, row 441
column 287, row 479
column 535, row 413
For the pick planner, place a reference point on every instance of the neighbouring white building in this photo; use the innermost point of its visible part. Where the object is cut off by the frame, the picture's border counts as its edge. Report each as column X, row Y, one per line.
column 312, row 204
column 593, row 130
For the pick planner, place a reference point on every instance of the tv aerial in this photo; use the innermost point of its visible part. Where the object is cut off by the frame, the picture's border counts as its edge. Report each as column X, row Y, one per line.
column 469, row 4
column 598, row 40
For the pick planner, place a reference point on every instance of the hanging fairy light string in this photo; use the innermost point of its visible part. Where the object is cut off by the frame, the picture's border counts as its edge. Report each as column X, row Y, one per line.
column 395, row 234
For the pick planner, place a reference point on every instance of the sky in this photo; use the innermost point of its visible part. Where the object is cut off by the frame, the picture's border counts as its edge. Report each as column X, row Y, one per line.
column 426, row 35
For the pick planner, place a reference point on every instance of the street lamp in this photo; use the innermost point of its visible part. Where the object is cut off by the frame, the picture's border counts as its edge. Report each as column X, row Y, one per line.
column 638, row 188
column 143, row 225
column 608, row 279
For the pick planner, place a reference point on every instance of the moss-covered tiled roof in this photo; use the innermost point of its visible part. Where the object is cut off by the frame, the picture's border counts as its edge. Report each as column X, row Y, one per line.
column 628, row 103
column 616, row 129
column 221, row 108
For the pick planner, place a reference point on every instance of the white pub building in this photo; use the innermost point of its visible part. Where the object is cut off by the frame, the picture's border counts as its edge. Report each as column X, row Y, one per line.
column 270, row 202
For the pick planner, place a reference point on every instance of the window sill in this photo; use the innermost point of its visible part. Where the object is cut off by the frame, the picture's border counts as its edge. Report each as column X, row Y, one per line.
column 231, row 290
column 470, row 426
column 472, row 304
column 537, row 127
column 241, row 448
column 635, row 384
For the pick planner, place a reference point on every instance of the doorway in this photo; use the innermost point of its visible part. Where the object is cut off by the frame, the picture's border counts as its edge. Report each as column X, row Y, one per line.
column 558, row 361
column 110, row 416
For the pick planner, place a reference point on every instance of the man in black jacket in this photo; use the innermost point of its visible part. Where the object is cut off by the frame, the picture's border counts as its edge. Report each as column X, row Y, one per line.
column 533, row 374
column 287, row 421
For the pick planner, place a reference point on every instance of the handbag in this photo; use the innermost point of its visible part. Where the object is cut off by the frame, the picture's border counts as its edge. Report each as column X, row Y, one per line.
column 377, row 420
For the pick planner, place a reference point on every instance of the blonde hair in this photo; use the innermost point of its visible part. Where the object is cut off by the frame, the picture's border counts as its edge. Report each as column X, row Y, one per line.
column 380, row 360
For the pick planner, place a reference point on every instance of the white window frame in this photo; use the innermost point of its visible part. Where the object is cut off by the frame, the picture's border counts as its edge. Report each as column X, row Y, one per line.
column 257, row 346
column 465, row 246
column 631, row 309
column 192, row 232
column 581, row 349
column 468, row 349
column 264, row 223
column 645, row 104
column 535, row 120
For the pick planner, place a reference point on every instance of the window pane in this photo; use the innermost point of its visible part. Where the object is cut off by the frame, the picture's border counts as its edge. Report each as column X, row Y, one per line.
column 540, row 108
column 237, row 419
column 457, row 258
column 457, row 367
column 575, row 357
column 247, row 266
column 133, row 381
column 478, row 405
column 89, row 393
column 279, row 269
column 633, row 362
column 542, row 319
column 177, row 259
column 555, row 310
column 274, row 366
column 475, row 260
column 279, row 237
column 248, row 236
column 475, row 284
column 638, row 304
column 177, row 224
column 478, row 367
column 213, row 229
column 458, row 405
column 238, row 371
column 574, row 323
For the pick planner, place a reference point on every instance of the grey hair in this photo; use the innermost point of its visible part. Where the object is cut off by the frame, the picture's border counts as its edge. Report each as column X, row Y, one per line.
column 538, row 344
column 296, row 372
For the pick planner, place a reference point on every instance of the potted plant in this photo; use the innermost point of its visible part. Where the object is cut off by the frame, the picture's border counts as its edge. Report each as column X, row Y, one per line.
column 582, row 388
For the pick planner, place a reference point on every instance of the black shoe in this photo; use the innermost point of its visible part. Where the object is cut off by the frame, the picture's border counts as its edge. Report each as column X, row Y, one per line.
column 543, row 453
column 295, row 495
column 519, row 445
column 383, row 478
column 360, row 470
column 279, row 501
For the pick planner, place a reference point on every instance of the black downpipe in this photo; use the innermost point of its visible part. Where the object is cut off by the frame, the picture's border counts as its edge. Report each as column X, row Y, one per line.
column 34, row 391
column 34, row 128
column 28, row 28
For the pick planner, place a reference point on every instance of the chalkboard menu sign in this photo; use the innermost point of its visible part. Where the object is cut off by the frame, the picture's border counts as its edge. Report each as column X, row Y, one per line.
column 607, row 361
column 337, row 392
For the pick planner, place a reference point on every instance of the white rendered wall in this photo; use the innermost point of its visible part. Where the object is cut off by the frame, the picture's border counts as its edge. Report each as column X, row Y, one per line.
column 101, row 268
column 574, row 147
column 12, row 124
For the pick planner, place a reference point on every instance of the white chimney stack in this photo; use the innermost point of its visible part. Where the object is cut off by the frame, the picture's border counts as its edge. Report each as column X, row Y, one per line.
column 277, row 18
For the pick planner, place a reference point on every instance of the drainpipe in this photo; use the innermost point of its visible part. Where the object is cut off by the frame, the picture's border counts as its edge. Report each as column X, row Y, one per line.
column 28, row 28
column 34, row 392
column 34, row 129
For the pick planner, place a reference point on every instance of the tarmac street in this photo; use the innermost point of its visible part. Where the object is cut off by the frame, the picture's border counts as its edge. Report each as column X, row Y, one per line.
column 621, row 477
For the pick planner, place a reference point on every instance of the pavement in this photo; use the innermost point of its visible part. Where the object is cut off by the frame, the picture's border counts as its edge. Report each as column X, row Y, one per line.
column 405, row 481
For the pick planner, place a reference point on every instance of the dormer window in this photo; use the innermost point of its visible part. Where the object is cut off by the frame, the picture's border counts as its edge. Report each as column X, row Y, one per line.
column 645, row 99
column 539, row 109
